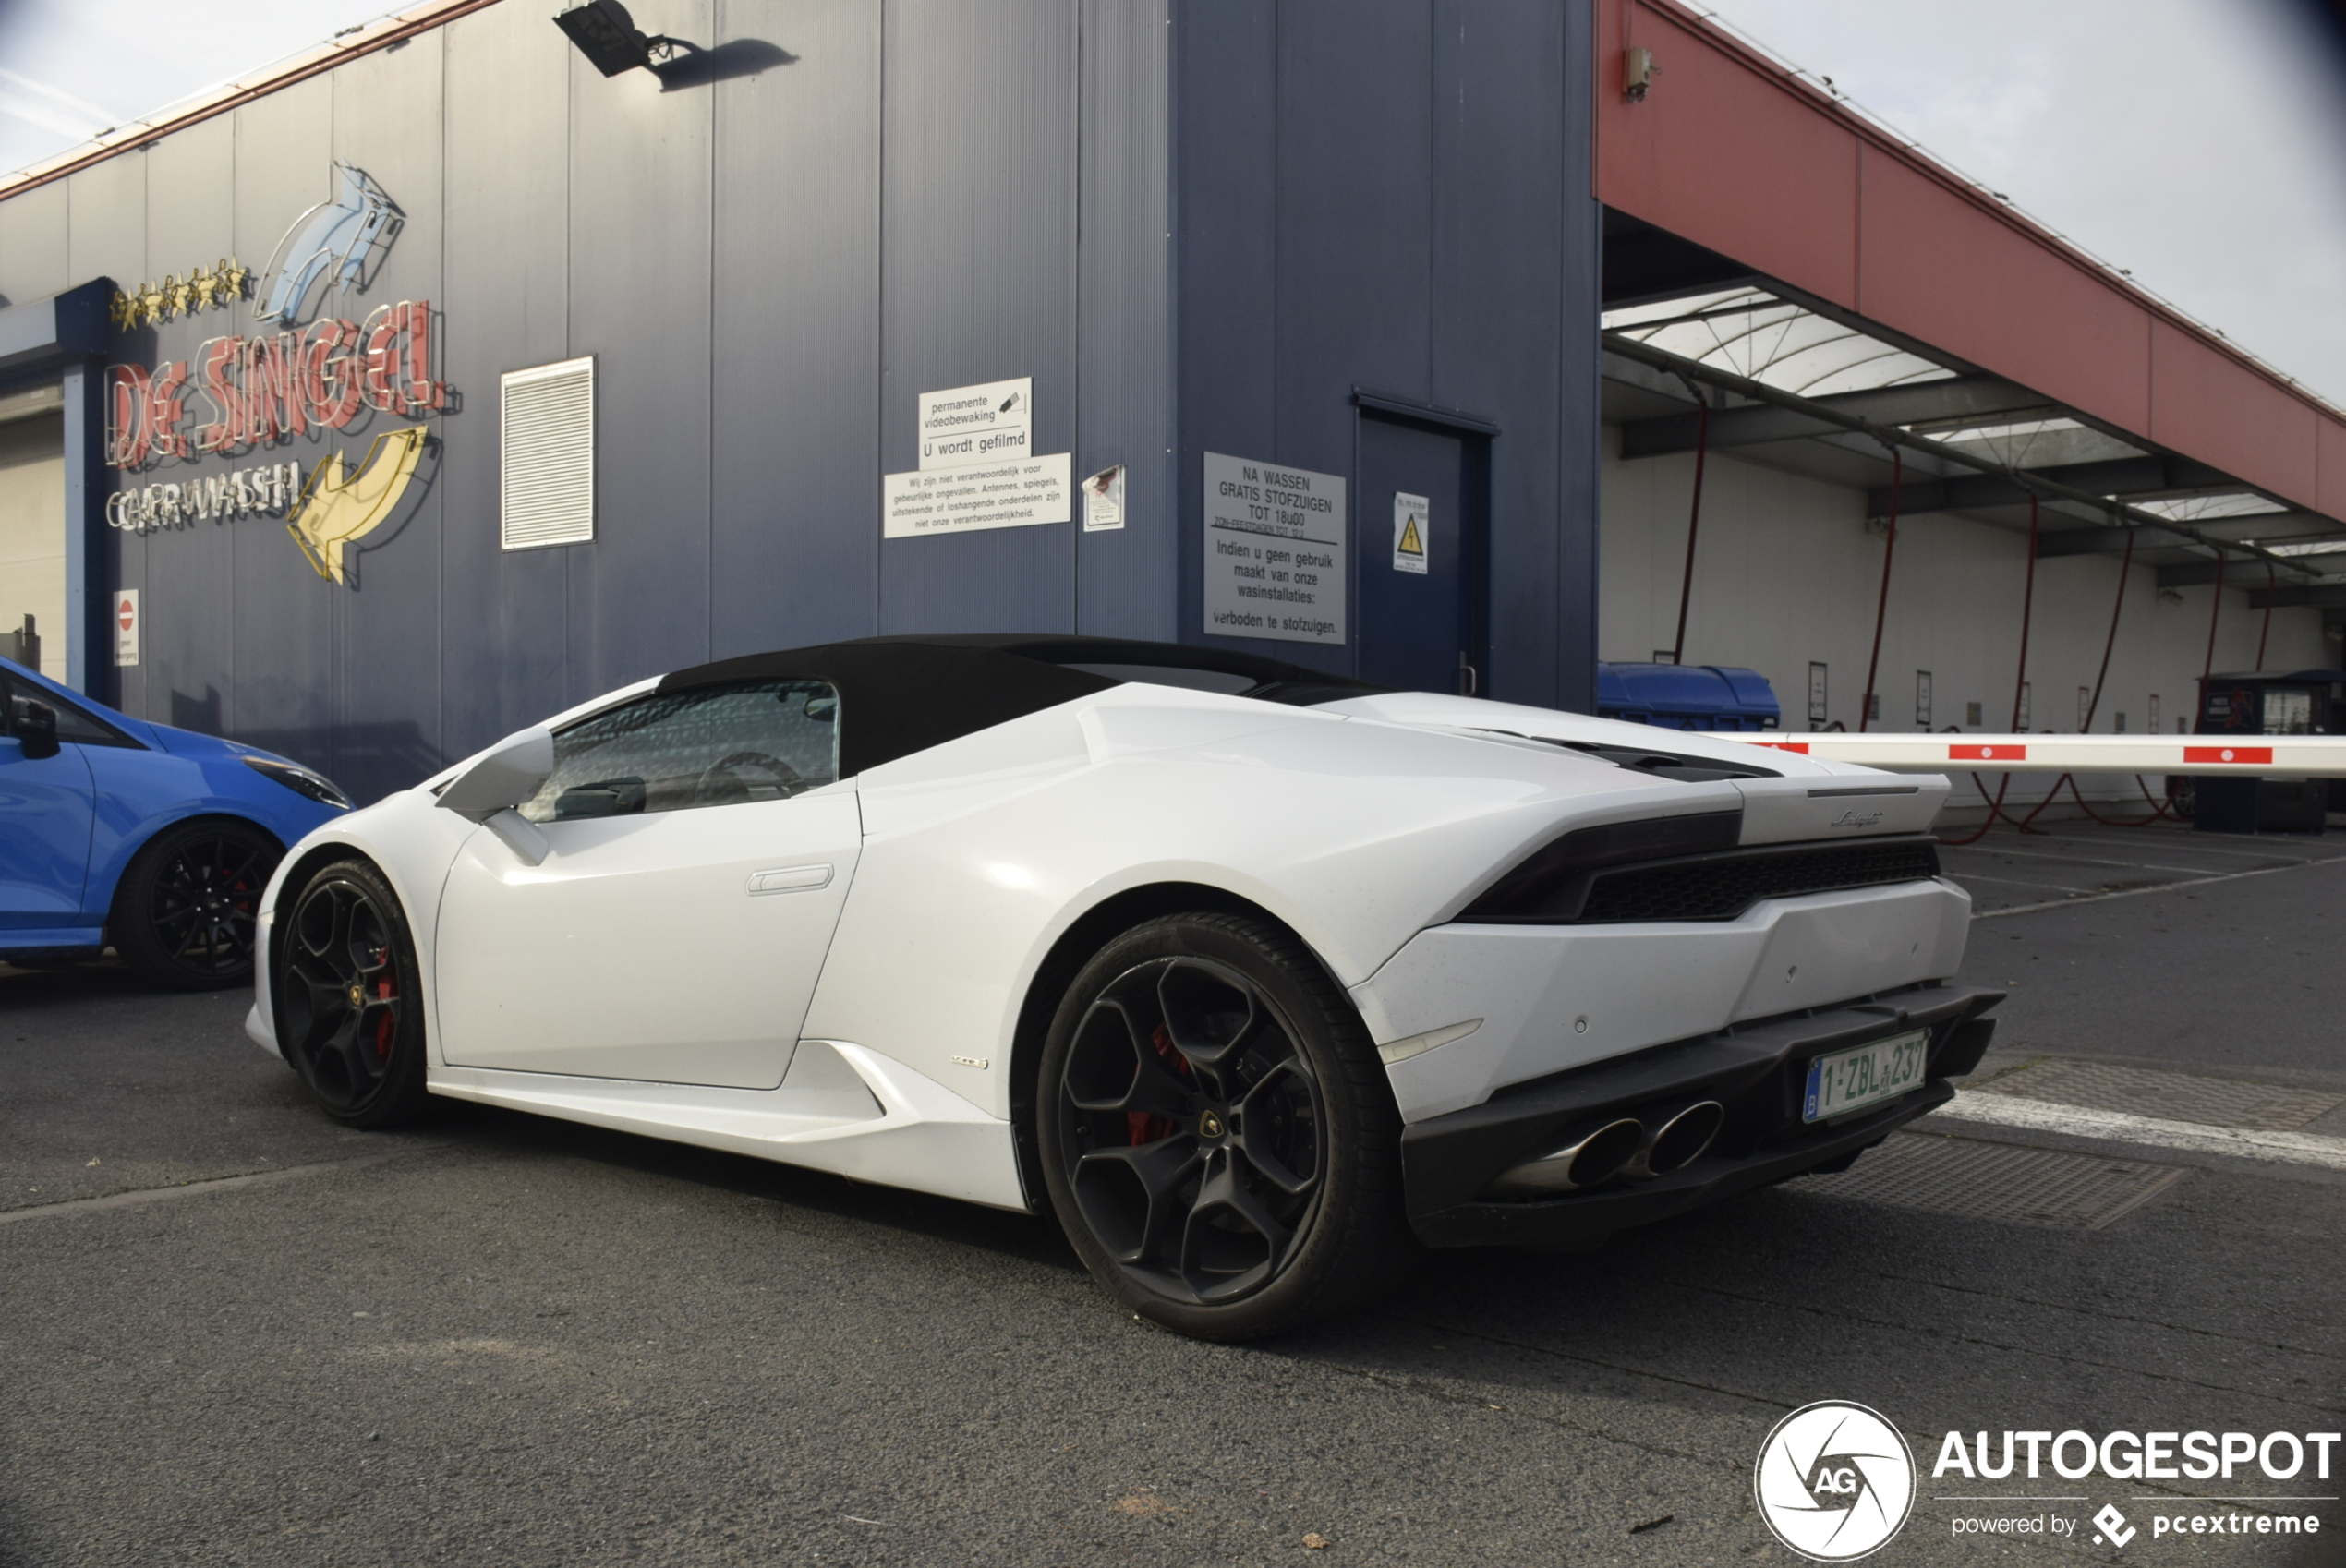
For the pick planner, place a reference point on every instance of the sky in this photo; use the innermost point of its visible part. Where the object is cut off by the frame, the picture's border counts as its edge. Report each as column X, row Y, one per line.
column 2196, row 142
column 2199, row 143
column 69, row 68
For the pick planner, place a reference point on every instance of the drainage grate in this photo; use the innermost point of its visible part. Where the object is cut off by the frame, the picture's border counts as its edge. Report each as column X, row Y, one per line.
column 1998, row 1181
column 2176, row 1096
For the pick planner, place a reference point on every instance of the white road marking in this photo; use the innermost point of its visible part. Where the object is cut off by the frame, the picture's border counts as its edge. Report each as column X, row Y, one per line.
column 2011, row 882
column 137, row 1195
column 2193, row 848
column 2083, row 1121
column 2137, row 892
column 2088, row 860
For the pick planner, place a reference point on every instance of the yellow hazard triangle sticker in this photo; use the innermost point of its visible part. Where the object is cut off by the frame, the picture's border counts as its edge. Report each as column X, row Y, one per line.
column 1410, row 544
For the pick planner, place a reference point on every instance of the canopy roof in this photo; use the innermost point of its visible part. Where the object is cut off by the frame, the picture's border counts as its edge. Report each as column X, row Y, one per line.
column 1758, row 228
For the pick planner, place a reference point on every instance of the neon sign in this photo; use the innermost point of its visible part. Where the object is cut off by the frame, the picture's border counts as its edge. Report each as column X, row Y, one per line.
column 253, row 391
column 239, row 393
column 332, row 241
column 271, row 488
column 340, row 508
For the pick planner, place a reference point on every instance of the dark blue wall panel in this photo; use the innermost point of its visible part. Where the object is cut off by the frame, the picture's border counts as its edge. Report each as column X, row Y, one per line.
column 281, row 689
column 977, row 278
column 1499, row 153
column 1198, row 224
column 641, row 218
column 280, row 615
column 506, row 305
column 103, row 211
column 1226, row 58
column 386, row 696
column 1127, row 579
column 1394, row 195
column 1580, row 349
column 794, row 526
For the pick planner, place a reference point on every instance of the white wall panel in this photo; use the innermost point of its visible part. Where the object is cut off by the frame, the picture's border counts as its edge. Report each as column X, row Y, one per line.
column 1786, row 572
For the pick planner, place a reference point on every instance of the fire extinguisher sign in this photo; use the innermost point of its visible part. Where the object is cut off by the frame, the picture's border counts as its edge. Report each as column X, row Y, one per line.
column 126, row 628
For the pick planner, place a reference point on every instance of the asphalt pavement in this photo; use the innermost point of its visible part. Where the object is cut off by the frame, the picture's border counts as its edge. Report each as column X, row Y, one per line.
column 233, row 1333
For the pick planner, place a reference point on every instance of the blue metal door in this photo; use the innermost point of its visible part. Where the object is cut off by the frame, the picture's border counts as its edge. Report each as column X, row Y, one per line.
column 1419, row 539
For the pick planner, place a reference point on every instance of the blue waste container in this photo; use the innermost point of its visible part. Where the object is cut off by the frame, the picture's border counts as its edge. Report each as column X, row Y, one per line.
column 1687, row 696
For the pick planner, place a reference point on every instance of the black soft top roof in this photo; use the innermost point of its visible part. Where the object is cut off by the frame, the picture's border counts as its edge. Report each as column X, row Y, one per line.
column 905, row 694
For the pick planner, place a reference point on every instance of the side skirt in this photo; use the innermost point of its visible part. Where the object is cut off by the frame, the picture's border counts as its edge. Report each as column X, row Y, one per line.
column 841, row 1108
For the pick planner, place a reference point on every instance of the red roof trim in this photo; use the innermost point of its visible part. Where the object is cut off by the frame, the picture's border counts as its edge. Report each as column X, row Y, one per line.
column 1779, row 180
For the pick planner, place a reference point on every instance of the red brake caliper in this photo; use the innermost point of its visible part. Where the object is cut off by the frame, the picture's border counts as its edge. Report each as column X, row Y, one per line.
column 386, row 1025
column 1146, row 1129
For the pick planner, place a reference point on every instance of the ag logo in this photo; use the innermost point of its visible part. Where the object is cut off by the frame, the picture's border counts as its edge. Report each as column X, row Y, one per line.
column 1835, row 1481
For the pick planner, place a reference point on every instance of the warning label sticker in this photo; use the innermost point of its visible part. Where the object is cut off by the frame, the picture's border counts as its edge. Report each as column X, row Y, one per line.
column 1411, row 515
column 1274, row 551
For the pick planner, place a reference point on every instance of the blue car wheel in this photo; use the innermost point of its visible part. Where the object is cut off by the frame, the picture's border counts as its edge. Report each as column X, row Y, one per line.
column 186, row 911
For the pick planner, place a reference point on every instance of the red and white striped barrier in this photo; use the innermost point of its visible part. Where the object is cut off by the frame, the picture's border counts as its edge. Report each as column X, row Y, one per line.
column 2287, row 757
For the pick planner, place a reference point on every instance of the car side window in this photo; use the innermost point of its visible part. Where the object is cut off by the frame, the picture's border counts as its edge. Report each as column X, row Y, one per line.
column 73, row 725
column 710, row 746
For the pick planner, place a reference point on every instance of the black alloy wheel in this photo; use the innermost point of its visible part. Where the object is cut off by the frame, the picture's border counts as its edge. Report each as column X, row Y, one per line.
column 1217, row 1136
column 350, row 1012
column 187, row 909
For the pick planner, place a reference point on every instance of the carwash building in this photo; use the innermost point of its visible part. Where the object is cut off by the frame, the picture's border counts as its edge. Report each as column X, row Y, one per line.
column 436, row 379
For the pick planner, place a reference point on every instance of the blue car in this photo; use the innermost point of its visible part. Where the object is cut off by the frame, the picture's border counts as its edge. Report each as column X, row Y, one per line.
column 155, row 840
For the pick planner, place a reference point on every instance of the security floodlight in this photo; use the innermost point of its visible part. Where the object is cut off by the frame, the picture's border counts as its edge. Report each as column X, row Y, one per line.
column 610, row 39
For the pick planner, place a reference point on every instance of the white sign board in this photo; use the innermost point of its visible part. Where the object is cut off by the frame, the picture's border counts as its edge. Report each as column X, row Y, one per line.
column 126, row 628
column 1410, row 516
column 1103, row 500
column 977, row 467
column 983, row 495
column 988, row 423
column 1274, row 551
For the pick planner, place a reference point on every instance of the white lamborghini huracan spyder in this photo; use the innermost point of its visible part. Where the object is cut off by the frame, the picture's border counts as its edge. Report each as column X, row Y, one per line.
column 1259, row 979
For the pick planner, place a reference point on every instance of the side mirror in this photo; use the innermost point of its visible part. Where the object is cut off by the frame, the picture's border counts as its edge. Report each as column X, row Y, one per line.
column 503, row 777
column 36, row 727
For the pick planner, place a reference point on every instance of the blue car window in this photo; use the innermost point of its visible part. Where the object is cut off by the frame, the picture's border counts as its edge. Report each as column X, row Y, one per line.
column 82, row 729
column 711, row 746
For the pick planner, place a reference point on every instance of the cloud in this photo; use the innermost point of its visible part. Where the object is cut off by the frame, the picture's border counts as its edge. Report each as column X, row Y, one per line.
column 33, row 112
column 65, row 55
column 81, row 108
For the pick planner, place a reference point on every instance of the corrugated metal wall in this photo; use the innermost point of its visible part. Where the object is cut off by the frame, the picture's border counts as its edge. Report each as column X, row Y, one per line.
column 856, row 203
column 1395, row 195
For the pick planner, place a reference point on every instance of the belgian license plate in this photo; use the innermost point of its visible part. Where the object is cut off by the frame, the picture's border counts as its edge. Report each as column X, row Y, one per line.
column 1849, row 1081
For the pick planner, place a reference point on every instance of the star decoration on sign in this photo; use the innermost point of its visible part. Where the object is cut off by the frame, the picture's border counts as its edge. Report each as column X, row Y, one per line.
column 203, row 289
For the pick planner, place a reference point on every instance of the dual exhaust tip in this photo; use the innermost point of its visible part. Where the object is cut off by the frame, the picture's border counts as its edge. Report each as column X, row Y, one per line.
column 1622, row 1149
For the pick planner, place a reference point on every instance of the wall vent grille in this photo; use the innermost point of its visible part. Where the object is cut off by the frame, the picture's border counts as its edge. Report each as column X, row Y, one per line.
column 548, row 424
